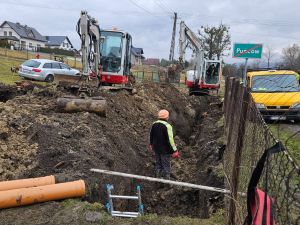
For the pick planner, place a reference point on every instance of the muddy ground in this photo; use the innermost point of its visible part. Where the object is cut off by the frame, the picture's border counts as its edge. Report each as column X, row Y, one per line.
column 37, row 140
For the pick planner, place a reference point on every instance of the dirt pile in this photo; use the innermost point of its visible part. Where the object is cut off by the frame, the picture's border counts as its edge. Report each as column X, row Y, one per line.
column 36, row 140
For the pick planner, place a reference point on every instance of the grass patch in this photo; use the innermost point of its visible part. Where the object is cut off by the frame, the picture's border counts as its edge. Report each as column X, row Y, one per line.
column 6, row 76
column 24, row 55
column 153, row 219
column 70, row 203
column 293, row 144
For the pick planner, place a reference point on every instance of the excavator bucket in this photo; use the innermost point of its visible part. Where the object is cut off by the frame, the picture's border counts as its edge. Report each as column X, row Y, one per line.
column 198, row 92
column 60, row 78
column 73, row 104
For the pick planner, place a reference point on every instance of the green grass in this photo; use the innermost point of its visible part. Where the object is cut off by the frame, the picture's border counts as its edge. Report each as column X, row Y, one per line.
column 293, row 144
column 6, row 76
column 153, row 219
column 23, row 55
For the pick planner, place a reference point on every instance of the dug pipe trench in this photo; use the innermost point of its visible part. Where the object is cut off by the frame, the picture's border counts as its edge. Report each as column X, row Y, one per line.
column 31, row 195
column 25, row 183
column 72, row 105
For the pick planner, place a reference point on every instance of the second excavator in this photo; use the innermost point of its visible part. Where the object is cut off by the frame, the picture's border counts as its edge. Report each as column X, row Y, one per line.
column 205, row 76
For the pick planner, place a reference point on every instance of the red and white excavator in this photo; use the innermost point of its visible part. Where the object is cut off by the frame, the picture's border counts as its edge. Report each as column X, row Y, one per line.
column 205, row 76
column 105, row 54
column 105, row 57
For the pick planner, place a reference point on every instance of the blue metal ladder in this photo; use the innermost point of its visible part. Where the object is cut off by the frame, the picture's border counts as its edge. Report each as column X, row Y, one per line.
column 110, row 207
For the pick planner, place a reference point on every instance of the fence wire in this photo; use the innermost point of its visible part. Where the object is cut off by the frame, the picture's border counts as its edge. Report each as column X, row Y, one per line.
column 247, row 138
column 156, row 76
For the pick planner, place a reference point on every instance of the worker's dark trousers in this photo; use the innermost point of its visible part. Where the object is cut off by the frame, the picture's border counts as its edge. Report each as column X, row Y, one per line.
column 163, row 165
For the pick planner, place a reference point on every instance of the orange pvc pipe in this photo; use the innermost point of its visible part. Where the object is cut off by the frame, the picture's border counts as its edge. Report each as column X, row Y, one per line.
column 27, row 196
column 25, row 183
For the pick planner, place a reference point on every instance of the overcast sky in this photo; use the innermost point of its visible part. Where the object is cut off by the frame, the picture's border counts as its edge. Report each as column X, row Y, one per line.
column 270, row 22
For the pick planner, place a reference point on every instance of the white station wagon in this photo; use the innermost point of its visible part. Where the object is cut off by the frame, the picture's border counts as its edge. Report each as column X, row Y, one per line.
column 45, row 69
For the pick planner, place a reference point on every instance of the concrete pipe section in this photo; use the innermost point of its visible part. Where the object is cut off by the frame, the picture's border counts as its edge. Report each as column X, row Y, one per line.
column 72, row 105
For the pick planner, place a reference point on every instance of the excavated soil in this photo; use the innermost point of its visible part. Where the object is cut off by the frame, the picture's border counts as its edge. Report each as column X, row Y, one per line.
column 36, row 140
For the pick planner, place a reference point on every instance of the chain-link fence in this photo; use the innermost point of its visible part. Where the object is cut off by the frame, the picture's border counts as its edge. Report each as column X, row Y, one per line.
column 157, row 76
column 143, row 75
column 247, row 138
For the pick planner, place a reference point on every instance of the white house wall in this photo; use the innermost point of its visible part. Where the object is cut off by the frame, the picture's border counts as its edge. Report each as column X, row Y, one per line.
column 8, row 29
column 64, row 45
column 34, row 43
column 135, row 60
column 27, row 42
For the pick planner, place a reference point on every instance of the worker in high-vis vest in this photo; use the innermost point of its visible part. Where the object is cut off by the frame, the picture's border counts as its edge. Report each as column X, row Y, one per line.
column 162, row 143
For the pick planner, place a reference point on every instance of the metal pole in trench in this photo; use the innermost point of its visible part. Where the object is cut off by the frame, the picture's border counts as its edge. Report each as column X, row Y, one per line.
column 177, row 183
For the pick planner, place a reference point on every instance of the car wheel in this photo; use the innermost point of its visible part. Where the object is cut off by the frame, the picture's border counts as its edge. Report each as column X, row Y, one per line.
column 49, row 78
column 77, row 74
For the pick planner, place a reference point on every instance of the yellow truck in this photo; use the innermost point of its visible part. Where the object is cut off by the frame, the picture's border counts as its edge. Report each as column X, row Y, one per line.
column 276, row 93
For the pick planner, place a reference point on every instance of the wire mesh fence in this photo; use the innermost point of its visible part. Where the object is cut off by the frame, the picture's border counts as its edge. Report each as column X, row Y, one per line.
column 27, row 53
column 156, row 76
column 247, row 138
column 143, row 75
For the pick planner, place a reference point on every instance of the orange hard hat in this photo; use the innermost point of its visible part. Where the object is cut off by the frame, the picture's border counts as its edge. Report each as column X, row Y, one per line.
column 163, row 114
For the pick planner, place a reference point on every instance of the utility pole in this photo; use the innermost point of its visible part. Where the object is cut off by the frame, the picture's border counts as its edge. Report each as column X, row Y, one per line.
column 172, row 49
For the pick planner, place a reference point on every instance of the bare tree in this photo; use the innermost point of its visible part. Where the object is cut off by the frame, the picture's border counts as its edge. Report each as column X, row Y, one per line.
column 269, row 54
column 291, row 56
column 230, row 70
column 216, row 40
column 255, row 64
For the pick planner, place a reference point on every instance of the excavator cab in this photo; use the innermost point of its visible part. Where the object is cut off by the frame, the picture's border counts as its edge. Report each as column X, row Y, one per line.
column 212, row 71
column 115, row 57
column 207, row 80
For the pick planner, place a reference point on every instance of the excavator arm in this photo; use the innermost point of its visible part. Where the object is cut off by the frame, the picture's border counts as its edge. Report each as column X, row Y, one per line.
column 89, row 32
column 189, row 38
column 206, row 73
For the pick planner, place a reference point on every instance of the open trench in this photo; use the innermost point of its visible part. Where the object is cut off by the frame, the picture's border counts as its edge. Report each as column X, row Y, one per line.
column 69, row 145
column 199, row 139
column 201, row 151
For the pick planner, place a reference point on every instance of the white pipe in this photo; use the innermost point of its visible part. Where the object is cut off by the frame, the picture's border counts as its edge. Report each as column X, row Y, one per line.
column 124, row 197
column 129, row 213
column 178, row 183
